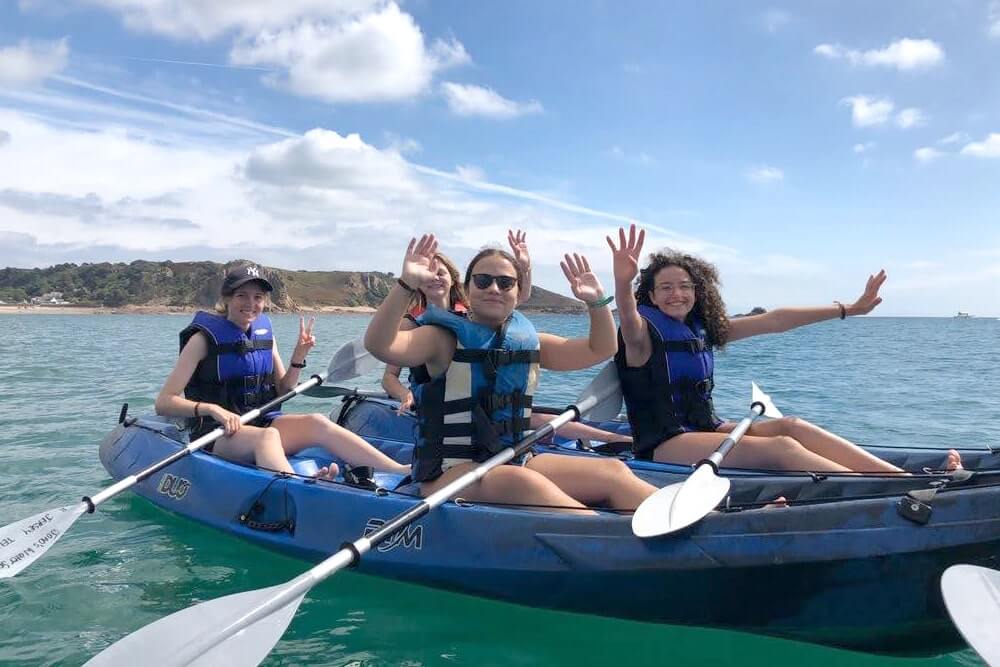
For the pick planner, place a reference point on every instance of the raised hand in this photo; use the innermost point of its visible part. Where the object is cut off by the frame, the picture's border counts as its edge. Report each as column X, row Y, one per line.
column 306, row 340
column 866, row 302
column 419, row 264
column 626, row 255
column 519, row 246
column 584, row 283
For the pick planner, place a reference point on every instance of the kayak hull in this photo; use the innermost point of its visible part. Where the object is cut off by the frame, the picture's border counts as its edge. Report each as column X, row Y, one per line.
column 854, row 574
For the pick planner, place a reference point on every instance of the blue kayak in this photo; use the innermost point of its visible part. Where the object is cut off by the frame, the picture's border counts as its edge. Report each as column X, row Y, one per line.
column 860, row 573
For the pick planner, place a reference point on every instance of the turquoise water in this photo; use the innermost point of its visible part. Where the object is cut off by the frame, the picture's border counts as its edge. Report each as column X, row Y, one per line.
column 877, row 380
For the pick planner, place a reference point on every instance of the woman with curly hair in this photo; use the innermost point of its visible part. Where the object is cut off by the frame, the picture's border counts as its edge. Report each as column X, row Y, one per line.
column 670, row 325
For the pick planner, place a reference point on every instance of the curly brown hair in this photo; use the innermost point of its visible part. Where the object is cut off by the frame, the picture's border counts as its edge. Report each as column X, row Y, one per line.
column 708, row 305
column 456, row 295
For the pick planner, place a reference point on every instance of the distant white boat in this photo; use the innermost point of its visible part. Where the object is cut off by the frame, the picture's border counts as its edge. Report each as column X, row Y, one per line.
column 963, row 315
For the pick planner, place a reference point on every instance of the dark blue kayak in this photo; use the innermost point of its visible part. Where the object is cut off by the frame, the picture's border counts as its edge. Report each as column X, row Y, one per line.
column 857, row 573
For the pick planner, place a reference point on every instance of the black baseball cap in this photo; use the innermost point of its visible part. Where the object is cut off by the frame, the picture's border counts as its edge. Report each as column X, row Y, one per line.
column 241, row 275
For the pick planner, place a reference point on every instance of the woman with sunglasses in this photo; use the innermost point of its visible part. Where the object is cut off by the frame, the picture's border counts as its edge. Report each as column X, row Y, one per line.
column 482, row 371
column 670, row 325
column 445, row 291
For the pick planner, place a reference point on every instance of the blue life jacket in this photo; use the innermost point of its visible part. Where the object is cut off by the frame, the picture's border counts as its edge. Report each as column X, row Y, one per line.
column 482, row 403
column 672, row 392
column 238, row 372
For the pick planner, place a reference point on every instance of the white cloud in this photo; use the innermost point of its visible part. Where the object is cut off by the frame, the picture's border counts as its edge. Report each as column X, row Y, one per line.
column 468, row 172
column 988, row 147
column 402, row 145
column 953, row 138
column 642, row 157
column 775, row 19
column 910, row 118
column 379, row 56
column 472, row 100
column 867, row 111
column 864, row 148
column 30, row 62
column 205, row 20
column 4, row 137
column 993, row 20
column 765, row 175
column 926, row 154
column 903, row 54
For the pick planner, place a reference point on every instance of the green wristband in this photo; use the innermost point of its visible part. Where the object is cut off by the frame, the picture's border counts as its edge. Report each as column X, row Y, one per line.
column 600, row 303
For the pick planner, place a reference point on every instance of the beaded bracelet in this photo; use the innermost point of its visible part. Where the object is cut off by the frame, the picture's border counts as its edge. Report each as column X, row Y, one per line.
column 600, row 303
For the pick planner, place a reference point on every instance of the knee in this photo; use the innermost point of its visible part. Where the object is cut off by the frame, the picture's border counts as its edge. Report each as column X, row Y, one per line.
column 792, row 425
column 269, row 441
column 614, row 469
column 318, row 421
column 786, row 444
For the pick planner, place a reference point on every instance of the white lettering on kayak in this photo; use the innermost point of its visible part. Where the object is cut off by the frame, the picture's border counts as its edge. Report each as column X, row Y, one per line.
column 173, row 487
column 408, row 537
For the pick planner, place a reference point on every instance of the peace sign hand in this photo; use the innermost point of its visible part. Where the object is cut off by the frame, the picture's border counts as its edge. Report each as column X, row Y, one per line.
column 585, row 285
column 626, row 256
column 419, row 264
column 519, row 246
column 306, row 340
column 866, row 302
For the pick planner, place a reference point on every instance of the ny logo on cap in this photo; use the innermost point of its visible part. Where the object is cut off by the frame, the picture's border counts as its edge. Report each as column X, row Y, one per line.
column 253, row 271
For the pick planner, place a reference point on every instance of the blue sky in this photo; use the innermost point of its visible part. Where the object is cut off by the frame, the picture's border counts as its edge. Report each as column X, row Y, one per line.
column 800, row 147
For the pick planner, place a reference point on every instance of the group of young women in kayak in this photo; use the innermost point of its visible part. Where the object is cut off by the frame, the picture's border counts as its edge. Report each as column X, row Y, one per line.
column 474, row 363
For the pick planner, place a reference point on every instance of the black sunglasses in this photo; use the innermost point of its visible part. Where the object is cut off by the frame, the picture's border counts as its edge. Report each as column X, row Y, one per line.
column 484, row 280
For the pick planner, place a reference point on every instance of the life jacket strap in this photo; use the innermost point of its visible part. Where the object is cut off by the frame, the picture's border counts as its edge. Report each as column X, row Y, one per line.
column 692, row 346
column 242, row 347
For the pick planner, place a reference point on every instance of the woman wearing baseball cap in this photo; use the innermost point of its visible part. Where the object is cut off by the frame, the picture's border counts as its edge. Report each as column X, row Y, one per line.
column 229, row 364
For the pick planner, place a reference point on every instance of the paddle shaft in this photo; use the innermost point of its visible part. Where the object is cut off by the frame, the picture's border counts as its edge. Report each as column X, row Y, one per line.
column 93, row 501
column 715, row 460
column 352, row 552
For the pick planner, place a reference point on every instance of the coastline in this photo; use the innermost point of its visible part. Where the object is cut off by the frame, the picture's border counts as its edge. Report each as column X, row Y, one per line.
column 8, row 309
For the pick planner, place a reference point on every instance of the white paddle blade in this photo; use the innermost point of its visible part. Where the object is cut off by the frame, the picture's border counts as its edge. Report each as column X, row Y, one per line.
column 608, row 390
column 758, row 396
column 350, row 361
column 24, row 542
column 972, row 597
column 677, row 506
column 169, row 641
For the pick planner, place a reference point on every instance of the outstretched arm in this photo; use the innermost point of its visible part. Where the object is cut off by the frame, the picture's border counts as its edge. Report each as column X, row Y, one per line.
column 570, row 354
column 784, row 319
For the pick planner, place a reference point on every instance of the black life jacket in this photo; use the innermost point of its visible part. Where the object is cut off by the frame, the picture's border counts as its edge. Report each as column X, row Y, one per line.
column 672, row 392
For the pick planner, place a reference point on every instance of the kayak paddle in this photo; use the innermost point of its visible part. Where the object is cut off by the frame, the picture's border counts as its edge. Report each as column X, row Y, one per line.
column 241, row 629
column 679, row 505
column 25, row 541
column 972, row 598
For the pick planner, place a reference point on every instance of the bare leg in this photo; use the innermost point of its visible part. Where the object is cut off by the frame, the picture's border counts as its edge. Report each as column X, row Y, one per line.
column 593, row 481
column 509, row 484
column 822, row 442
column 771, row 453
column 576, row 430
column 252, row 444
column 301, row 431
